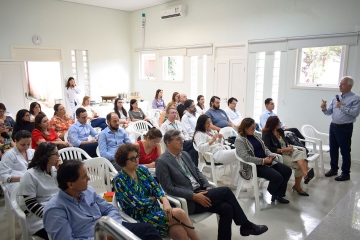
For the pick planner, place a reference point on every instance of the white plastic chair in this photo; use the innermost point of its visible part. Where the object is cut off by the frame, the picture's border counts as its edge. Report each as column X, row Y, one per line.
column 228, row 132
column 20, row 215
column 100, row 171
column 139, row 127
column 98, row 151
column 9, row 213
column 72, row 153
column 154, row 115
column 314, row 159
column 310, row 133
column 124, row 216
column 209, row 158
column 181, row 203
column 254, row 181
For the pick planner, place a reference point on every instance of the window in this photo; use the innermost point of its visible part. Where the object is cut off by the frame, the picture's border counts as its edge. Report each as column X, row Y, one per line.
column 194, row 76
column 198, row 76
column 80, row 69
column 275, row 78
column 147, row 65
column 173, row 68
column 86, row 72
column 259, row 84
column 73, row 64
column 320, row 66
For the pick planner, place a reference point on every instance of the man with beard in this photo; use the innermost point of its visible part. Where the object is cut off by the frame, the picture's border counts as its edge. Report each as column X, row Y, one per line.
column 190, row 117
column 111, row 138
column 219, row 118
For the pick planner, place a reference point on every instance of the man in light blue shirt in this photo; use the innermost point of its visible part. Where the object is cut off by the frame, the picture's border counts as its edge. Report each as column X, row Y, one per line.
column 344, row 110
column 218, row 117
column 111, row 138
column 270, row 105
column 73, row 212
column 80, row 131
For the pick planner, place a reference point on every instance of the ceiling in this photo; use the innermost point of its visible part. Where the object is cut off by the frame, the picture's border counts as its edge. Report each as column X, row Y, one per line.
column 125, row 5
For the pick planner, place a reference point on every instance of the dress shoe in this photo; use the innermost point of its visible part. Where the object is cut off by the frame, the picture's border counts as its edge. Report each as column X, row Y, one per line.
column 309, row 176
column 330, row 173
column 343, row 177
column 255, row 230
column 303, row 193
column 279, row 199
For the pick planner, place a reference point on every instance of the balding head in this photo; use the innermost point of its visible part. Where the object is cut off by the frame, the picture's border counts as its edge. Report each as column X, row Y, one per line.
column 183, row 98
column 346, row 84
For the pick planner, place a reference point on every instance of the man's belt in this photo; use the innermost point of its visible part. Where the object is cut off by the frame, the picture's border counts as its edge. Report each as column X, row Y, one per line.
column 342, row 125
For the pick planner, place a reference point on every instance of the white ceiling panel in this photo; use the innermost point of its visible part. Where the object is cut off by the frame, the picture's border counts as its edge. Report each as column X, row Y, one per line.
column 125, row 5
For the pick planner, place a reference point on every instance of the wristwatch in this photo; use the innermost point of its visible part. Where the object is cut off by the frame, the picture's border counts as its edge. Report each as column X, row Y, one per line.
column 8, row 180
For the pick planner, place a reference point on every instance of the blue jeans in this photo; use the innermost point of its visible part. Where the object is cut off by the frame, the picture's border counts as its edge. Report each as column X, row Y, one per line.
column 90, row 149
column 99, row 122
column 340, row 137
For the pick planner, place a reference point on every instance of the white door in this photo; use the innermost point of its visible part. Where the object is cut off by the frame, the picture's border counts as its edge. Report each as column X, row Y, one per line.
column 230, row 81
column 237, row 82
column 221, row 88
column 13, row 90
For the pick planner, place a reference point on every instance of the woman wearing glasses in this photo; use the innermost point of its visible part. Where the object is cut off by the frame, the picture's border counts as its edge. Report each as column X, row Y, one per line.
column 121, row 112
column 22, row 122
column 15, row 162
column 138, row 193
column 251, row 148
column 150, row 148
column 38, row 185
column 44, row 133
column 6, row 142
column 208, row 140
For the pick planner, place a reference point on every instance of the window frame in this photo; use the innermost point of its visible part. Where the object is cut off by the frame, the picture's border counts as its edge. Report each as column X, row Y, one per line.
column 164, row 64
column 315, row 86
column 141, row 67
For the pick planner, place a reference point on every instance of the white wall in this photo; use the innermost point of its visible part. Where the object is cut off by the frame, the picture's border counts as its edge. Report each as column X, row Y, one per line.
column 105, row 33
column 236, row 21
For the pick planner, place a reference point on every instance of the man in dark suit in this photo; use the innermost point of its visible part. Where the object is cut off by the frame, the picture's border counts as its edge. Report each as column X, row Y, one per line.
column 179, row 177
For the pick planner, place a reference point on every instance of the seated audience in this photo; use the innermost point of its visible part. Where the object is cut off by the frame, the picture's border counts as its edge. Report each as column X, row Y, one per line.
column 38, row 185
column 269, row 105
column 44, row 133
column 233, row 114
column 163, row 115
column 15, row 161
column 111, row 138
column 190, row 183
column 61, row 121
column 137, row 193
column 274, row 139
column 80, row 132
column 121, row 112
column 218, row 117
column 175, row 98
column 6, row 142
column 149, row 148
column 181, row 108
column 251, row 148
column 93, row 118
column 35, row 109
column 208, row 140
column 9, row 121
column 22, row 122
column 73, row 212
column 158, row 102
column 172, row 123
column 200, row 106
column 135, row 113
column 190, row 117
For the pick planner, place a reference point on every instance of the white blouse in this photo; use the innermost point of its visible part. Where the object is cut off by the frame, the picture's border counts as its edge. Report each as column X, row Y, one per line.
column 201, row 111
column 202, row 142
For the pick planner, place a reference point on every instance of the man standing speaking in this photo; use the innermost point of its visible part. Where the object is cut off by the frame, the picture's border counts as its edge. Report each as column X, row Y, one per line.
column 344, row 110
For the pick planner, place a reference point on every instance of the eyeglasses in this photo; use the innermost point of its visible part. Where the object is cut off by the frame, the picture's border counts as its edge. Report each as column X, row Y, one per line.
column 56, row 154
column 2, row 125
column 120, row 102
column 179, row 139
column 133, row 159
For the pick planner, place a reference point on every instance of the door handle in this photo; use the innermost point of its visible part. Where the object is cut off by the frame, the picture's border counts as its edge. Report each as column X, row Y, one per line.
column 26, row 95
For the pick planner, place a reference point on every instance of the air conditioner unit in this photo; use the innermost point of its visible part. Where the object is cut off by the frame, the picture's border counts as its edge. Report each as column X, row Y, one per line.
column 175, row 11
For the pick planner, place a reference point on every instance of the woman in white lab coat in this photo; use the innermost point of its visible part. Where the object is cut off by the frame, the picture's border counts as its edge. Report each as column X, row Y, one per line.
column 71, row 99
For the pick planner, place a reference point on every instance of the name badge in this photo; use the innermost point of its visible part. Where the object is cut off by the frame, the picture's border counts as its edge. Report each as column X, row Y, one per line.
column 223, row 115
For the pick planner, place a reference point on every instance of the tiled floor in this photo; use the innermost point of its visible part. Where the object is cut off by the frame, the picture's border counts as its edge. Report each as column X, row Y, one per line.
column 292, row 221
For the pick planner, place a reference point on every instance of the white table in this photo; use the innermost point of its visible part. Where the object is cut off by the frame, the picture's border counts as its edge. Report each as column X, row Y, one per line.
column 103, row 109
